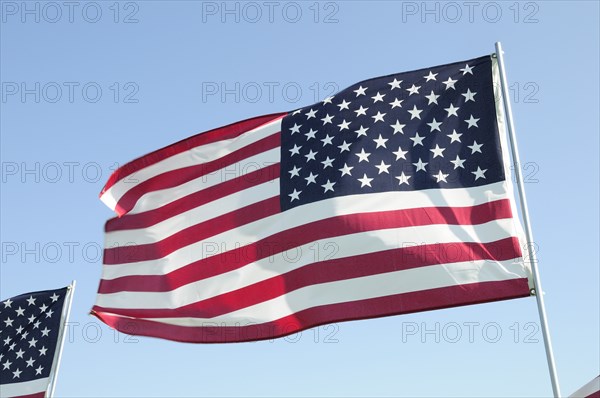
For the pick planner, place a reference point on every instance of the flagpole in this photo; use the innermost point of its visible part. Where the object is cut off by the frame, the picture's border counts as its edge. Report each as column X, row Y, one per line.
column 61, row 339
column 539, row 293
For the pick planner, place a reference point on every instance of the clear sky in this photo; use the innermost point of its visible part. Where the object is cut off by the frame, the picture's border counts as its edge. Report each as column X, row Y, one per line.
column 87, row 86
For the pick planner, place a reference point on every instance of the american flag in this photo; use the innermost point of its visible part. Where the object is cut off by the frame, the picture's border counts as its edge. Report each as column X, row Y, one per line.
column 392, row 196
column 30, row 325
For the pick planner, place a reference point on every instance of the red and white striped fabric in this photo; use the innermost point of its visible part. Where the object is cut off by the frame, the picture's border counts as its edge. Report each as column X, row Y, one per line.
column 590, row 390
column 201, row 251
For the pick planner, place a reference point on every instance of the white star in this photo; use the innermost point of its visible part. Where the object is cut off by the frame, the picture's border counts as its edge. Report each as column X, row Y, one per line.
column 30, row 301
column 378, row 117
column 31, row 318
column 297, row 111
column 469, row 95
column 413, row 90
column 479, row 173
column 295, row 172
column 327, row 100
column 363, row 156
column 400, row 154
column 311, row 178
column 450, row 83
column 310, row 155
column 430, row 76
column 475, row 147
column 7, row 364
column 458, row 162
column 403, row 179
column 344, row 147
column 432, row 98
column 383, row 168
column 343, row 105
column 417, row 140
column 378, row 97
column 454, row 136
column 327, row 140
column 12, row 346
column 32, row 342
column 441, row 177
column 360, row 91
column 361, row 131
column 435, row 125
column 24, row 335
column 380, row 141
column 396, row 103
column 452, row 110
column 398, row 127
column 20, row 311
column 20, row 353
column 310, row 114
column 346, row 170
column 471, row 122
column 327, row 162
column 43, row 308
column 328, row 186
column 361, row 111
column 295, row 150
column 415, row 113
column 437, row 151
column 395, row 84
column 7, row 340
column 420, row 165
column 17, row 374
column 311, row 134
column 295, row 195
column 20, row 329
column 43, row 350
column 365, row 181
column 45, row 332
column 327, row 119
column 38, row 371
column 344, row 125
column 30, row 362
column 467, row 69
column 7, row 303
column 295, row 128
column 36, row 324
column 8, row 322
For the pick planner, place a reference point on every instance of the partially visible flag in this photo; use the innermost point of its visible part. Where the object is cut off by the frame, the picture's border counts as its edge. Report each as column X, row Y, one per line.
column 590, row 390
column 31, row 326
column 392, row 196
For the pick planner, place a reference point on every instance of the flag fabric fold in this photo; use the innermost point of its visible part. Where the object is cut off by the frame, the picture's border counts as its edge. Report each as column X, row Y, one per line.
column 392, row 196
column 590, row 390
column 30, row 328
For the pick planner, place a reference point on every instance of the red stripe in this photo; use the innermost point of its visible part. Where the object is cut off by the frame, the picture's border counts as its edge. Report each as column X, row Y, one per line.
column 329, row 227
column 222, row 133
column 331, row 271
column 35, row 395
column 405, row 303
column 193, row 234
column 180, row 176
column 294, row 237
column 181, row 205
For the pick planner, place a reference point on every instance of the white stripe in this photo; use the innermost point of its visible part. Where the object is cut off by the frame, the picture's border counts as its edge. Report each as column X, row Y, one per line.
column 406, row 281
column 194, row 156
column 194, row 216
column 301, row 215
column 24, row 388
column 156, row 199
column 321, row 250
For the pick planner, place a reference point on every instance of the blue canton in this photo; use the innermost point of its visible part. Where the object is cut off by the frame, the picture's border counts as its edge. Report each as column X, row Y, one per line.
column 29, row 326
column 427, row 129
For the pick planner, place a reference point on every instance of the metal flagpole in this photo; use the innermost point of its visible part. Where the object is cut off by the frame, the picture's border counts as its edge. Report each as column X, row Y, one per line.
column 61, row 341
column 523, row 200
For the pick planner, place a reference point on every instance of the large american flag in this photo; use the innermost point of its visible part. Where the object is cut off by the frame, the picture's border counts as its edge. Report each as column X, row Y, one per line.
column 390, row 197
column 30, row 325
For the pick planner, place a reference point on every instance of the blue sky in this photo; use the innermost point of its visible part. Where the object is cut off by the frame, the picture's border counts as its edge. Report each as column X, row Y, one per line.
column 87, row 86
